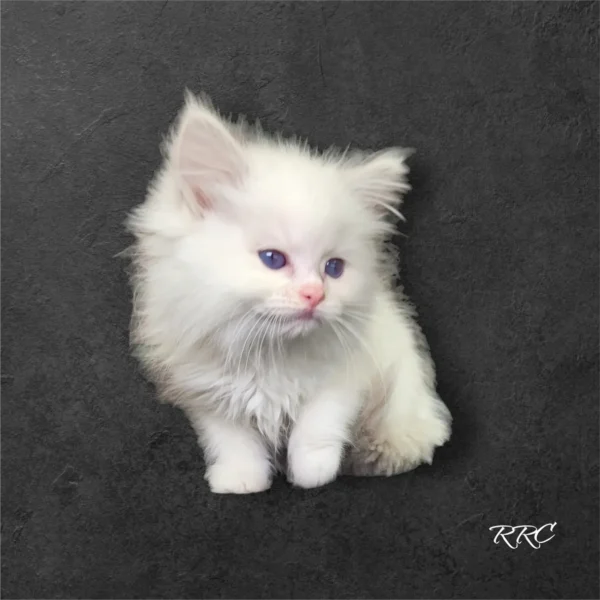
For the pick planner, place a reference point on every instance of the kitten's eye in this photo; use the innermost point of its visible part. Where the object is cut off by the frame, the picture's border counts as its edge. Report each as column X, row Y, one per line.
column 334, row 267
column 273, row 258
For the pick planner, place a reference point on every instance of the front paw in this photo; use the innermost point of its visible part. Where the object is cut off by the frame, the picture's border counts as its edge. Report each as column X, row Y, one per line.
column 400, row 444
column 373, row 458
column 243, row 477
column 313, row 467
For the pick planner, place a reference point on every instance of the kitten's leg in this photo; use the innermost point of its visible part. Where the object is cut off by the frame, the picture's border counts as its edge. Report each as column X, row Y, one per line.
column 237, row 459
column 317, row 441
column 403, row 423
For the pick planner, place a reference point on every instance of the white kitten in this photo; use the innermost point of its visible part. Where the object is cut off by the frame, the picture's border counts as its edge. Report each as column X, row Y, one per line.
column 263, row 307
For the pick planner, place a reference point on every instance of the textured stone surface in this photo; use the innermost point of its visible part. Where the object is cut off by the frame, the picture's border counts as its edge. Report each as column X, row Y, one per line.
column 102, row 489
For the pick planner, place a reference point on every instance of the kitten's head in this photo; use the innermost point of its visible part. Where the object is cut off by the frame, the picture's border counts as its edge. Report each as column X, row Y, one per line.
column 265, row 233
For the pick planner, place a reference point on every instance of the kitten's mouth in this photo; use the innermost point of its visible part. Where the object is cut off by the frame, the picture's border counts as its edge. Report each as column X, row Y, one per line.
column 303, row 322
column 296, row 323
column 306, row 315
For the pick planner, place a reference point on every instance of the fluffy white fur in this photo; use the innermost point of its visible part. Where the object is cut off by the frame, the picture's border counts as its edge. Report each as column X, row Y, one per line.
column 354, row 387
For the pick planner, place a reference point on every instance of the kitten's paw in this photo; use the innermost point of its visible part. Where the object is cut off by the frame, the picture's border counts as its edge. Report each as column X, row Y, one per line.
column 378, row 457
column 313, row 467
column 400, row 446
column 242, row 477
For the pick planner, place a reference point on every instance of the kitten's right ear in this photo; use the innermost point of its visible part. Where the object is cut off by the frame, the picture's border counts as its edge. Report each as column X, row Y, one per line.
column 205, row 156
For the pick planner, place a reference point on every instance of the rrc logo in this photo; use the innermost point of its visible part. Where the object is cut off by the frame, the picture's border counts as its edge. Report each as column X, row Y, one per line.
column 513, row 536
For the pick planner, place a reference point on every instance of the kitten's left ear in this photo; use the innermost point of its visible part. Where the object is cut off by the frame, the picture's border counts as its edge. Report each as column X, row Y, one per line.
column 205, row 155
column 381, row 178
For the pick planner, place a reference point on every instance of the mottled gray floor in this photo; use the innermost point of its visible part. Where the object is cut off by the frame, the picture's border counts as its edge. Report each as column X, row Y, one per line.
column 102, row 489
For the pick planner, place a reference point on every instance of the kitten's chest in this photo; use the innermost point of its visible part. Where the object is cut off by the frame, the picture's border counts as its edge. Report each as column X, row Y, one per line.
column 267, row 392
column 272, row 402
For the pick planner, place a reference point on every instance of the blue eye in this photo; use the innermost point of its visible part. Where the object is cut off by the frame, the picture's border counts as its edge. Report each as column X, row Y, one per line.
column 273, row 258
column 334, row 267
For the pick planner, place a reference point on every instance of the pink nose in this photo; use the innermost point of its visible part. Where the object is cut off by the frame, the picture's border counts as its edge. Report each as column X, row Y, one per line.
column 312, row 294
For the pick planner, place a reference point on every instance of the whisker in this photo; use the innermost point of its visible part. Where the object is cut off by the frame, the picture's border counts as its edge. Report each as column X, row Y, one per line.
column 266, row 328
column 251, row 336
column 344, row 347
column 365, row 347
column 246, row 317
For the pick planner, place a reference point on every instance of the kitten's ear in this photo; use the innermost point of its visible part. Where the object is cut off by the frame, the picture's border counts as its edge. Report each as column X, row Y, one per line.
column 381, row 178
column 205, row 155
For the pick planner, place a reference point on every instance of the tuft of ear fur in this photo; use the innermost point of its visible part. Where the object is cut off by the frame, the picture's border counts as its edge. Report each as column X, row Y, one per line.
column 205, row 155
column 381, row 178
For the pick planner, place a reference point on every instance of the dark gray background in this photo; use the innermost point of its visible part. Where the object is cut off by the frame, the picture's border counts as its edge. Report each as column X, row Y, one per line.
column 102, row 489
